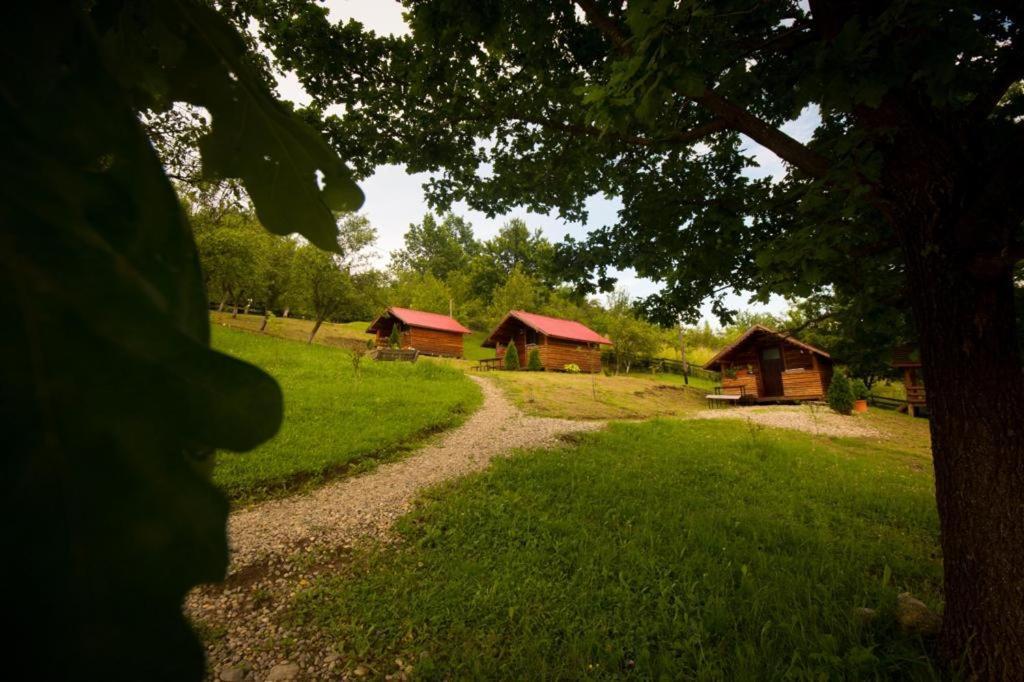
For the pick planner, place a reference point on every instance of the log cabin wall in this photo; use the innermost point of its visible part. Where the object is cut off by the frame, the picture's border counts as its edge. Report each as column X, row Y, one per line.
column 805, row 376
column 519, row 339
column 555, row 354
column 748, row 376
column 434, row 342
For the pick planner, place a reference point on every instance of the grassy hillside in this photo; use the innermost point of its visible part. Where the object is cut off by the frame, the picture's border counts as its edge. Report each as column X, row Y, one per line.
column 662, row 550
column 585, row 396
column 344, row 335
column 333, row 419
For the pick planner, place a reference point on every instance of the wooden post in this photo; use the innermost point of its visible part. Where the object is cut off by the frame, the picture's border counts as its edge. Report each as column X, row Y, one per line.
column 682, row 354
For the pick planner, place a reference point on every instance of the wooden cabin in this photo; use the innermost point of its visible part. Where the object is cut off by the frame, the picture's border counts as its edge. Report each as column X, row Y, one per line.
column 766, row 366
column 559, row 342
column 429, row 333
column 908, row 359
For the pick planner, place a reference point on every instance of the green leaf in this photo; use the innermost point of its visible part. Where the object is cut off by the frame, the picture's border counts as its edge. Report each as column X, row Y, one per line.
column 253, row 137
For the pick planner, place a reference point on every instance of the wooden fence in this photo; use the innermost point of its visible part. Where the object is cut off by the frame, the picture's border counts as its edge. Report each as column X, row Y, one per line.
column 668, row 366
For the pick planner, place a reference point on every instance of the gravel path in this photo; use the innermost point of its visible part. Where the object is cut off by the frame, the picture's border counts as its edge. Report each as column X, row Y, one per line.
column 267, row 538
column 823, row 421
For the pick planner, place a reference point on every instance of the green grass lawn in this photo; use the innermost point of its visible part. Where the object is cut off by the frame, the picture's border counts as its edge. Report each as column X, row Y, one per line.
column 661, row 550
column 334, row 421
column 473, row 350
column 638, row 395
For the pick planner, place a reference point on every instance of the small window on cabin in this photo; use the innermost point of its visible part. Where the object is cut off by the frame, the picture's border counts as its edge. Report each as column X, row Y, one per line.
column 531, row 336
column 770, row 354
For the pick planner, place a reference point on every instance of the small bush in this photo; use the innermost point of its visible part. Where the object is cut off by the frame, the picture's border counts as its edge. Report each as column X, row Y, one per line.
column 511, row 358
column 533, row 362
column 395, row 340
column 572, row 368
column 860, row 389
column 840, row 394
column 371, row 344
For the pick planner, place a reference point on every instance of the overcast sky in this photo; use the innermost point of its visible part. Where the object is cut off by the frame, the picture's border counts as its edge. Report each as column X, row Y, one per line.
column 394, row 198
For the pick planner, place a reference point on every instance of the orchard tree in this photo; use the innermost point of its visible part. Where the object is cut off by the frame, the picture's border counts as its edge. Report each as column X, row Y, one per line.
column 421, row 292
column 277, row 255
column 321, row 284
column 519, row 292
column 437, row 248
column 909, row 187
column 114, row 402
column 233, row 258
column 631, row 337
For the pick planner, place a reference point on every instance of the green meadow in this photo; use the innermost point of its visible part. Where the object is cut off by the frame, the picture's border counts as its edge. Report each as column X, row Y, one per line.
column 657, row 550
column 337, row 420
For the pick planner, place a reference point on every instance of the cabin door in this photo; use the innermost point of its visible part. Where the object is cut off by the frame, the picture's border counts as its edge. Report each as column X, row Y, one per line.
column 771, row 372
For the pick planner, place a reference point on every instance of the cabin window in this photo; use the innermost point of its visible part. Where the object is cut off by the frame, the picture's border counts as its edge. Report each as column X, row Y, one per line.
column 531, row 336
column 770, row 354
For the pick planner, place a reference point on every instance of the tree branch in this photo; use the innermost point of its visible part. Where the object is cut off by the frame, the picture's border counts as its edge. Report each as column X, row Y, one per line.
column 677, row 138
column 735, row 116
column 1008, row 71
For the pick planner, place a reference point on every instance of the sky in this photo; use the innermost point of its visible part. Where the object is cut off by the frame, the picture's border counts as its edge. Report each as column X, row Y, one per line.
column 395, row 199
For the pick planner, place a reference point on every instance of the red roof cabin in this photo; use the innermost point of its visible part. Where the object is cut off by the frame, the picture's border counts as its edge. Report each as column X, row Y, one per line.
column 429, row 333
column 559, row 342
column 766, row 366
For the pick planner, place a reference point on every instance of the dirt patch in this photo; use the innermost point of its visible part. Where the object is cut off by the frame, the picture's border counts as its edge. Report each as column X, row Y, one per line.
column 811, row 419
column 278, row 546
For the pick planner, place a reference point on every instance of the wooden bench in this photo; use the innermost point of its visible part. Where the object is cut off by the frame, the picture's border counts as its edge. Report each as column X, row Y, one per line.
column 486, row 364
column 396, row 355
column 719, row 399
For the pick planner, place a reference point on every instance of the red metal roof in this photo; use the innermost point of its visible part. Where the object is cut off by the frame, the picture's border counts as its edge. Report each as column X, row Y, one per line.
column 558, row 328
column 419, row 318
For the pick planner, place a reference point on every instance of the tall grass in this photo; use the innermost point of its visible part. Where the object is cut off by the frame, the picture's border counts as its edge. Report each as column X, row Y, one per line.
column 662, row 550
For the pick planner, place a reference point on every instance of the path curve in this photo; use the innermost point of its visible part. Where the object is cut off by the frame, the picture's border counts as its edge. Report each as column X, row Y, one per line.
column 346, row 509
column 264, row 538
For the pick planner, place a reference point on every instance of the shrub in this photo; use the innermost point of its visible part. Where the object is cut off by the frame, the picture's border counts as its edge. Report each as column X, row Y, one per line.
column 860, row 389
column 572, row 368
column 840, row 394
column 512, row 358
column 395, row 340
column 371, row 344
column 533, row 362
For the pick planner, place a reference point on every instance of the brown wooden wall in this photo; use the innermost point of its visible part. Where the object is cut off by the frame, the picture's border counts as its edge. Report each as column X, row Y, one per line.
column 555, row 354
column 428, row 341
column 804, row 375
column 802, row 384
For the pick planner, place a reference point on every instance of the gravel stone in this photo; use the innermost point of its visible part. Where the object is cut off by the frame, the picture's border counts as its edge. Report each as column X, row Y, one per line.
column 279, row 546
column 796, row 417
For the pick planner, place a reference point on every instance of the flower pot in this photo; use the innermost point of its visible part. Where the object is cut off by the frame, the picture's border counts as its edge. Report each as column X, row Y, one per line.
column 860, row 405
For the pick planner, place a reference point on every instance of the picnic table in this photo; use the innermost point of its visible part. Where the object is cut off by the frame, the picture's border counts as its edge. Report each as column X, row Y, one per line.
column 719, row 399
column 486, row 364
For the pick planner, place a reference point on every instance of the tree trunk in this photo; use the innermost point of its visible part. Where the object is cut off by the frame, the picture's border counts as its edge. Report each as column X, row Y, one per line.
column 316, row 328
column 223, row 301
column 285, row 313
column 248, row 304
column 266, row 319
column 234, row 311
column 969, row 353
column 937, row 197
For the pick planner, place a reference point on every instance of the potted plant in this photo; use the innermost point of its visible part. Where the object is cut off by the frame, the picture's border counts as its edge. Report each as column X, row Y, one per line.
column 860, row 395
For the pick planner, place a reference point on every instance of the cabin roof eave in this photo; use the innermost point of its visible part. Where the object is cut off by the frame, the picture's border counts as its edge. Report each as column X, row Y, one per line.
column 721, row 355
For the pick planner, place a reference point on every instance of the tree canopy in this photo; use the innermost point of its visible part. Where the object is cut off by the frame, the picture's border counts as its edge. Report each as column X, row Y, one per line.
column 907, row 197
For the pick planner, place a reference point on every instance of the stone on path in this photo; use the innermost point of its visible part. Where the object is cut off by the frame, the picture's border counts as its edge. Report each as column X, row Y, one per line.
column 229, row 674
column 283, row 672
